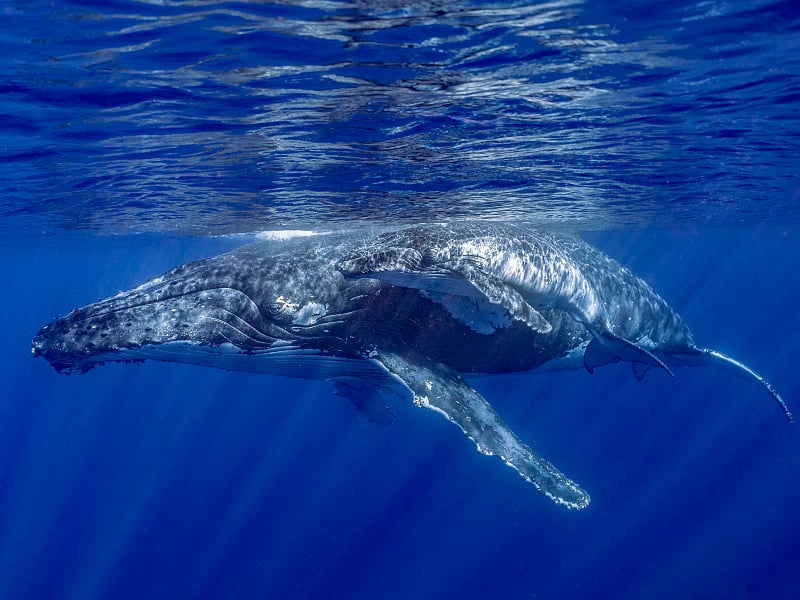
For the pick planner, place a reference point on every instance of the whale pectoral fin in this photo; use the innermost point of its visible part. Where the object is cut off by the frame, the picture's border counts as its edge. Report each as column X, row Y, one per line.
column 436, row 387
column 500, row 293
column 606, row 348
column 366, row 400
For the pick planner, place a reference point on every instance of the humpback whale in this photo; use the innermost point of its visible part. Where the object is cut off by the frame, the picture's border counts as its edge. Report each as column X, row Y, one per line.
column 304, row 308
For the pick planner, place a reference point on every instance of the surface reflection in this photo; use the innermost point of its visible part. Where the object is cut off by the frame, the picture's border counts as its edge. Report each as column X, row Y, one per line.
column 204, row 117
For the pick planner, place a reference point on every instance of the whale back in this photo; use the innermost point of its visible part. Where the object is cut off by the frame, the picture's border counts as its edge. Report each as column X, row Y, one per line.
column 493, row 262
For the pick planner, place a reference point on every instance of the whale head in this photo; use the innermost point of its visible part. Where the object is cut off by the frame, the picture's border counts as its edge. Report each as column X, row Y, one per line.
column 179, row 307
column 241, row 303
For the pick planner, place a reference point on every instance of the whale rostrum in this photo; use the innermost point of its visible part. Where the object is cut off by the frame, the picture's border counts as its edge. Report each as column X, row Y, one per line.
column 411, row 313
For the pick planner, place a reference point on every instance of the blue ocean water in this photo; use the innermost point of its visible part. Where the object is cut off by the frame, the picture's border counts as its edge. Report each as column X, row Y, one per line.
column 136, row 135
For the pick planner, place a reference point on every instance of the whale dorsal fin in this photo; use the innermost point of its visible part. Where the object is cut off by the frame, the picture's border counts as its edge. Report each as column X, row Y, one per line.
column 436, row 387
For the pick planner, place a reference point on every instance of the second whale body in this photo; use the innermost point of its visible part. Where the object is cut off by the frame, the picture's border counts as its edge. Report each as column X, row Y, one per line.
column 523, row 272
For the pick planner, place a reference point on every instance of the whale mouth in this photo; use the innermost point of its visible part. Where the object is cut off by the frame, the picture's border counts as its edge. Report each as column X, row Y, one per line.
column 280, row 359
column 156, row 313
column 63, row 362
column 195, row 321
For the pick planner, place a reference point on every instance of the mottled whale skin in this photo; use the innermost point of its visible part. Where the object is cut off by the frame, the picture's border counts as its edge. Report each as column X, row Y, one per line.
column 271, row 299
column 522, row 272
column 525, row 273
column 284, row 308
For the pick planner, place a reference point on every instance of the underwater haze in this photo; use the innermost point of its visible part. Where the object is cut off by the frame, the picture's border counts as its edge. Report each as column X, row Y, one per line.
column 138, row 135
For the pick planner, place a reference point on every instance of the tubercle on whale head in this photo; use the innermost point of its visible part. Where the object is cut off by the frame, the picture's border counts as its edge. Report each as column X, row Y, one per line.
column 61, row 362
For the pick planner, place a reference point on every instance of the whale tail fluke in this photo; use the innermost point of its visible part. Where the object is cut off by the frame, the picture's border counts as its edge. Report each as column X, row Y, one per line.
column 740, row 370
